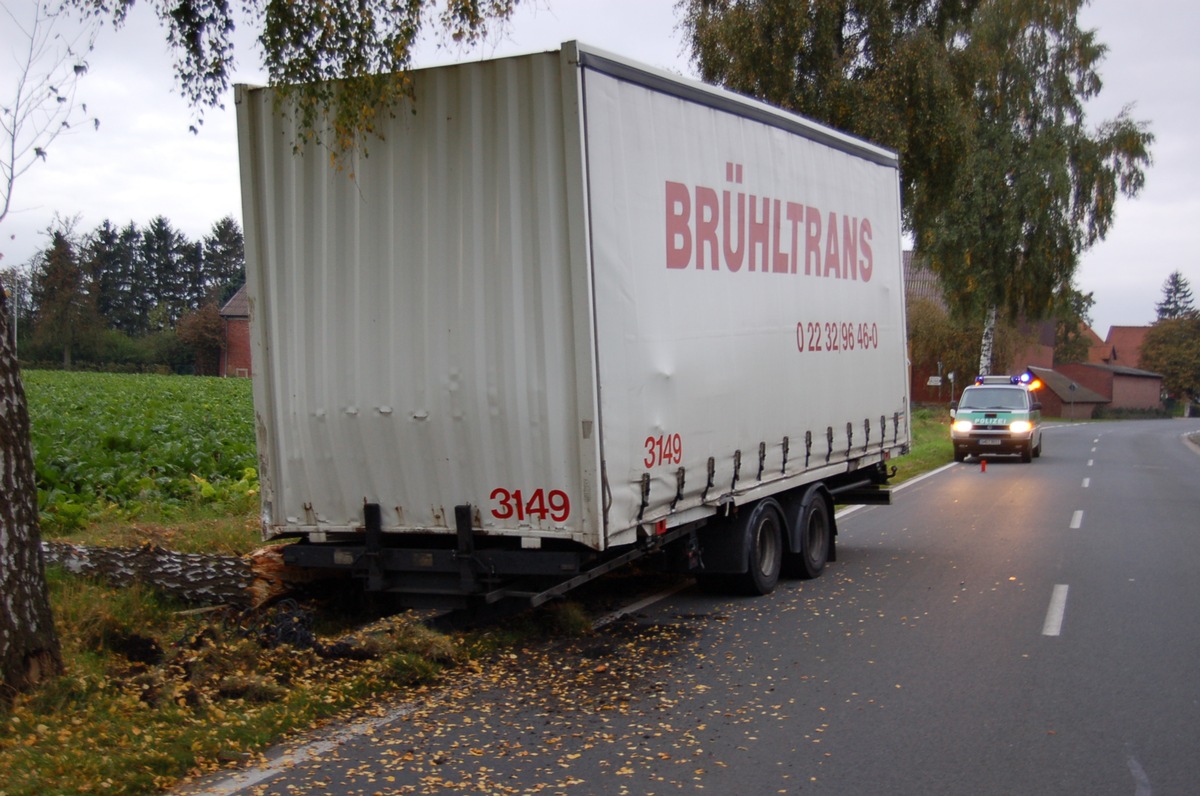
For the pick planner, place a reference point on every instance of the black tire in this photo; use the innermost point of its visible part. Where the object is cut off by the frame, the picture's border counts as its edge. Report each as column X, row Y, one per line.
column 763, row 529
column 1027, row 452
column 814, row 534
column 1037, row 452
column 960, row 456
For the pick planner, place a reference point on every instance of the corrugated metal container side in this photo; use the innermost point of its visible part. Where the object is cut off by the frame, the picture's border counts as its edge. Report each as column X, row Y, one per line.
column 415, row 340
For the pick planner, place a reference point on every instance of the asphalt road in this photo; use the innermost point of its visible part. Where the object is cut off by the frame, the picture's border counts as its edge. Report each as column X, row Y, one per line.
column 1024, row 629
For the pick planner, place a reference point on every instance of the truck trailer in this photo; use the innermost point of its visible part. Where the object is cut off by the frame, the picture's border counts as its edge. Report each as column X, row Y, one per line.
column 569, row 311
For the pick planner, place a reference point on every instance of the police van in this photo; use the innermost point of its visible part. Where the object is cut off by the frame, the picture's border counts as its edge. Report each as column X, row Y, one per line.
column 998, row 415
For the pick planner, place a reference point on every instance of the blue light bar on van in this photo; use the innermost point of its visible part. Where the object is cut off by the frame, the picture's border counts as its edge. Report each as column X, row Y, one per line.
column 1028, row 379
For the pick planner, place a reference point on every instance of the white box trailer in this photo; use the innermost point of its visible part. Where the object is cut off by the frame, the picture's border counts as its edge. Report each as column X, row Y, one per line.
column 570, row 310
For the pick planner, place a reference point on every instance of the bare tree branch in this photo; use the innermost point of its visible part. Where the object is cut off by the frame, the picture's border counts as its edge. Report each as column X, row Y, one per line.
column 39, row 105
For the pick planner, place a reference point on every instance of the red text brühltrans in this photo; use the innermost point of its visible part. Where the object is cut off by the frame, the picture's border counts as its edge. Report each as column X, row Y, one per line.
column 711, row 229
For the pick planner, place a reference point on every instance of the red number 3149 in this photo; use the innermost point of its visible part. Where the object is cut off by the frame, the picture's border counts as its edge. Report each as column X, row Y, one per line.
column 663, row 449
column 512, row 503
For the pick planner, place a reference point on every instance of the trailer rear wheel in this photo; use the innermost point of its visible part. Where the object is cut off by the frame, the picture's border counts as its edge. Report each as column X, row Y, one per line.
column 763, row 529
column 813, row 536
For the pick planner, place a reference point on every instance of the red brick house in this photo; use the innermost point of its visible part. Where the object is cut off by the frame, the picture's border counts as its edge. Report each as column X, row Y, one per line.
column 1061, row 396
column 1123, row 387
column 235, row 354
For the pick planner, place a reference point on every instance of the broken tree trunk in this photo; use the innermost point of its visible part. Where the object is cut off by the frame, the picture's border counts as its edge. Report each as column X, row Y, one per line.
column 247, row 582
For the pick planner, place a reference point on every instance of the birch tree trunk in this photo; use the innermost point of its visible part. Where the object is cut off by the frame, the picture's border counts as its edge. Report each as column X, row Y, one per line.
column 988, row 343
column 29, row 650
column 240, row 581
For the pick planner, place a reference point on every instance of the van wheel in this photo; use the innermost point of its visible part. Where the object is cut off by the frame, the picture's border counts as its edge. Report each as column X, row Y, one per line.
column 960, row 456
column 815, row 534
column 764, row 547
column 1027, row 452
column 1037, row 452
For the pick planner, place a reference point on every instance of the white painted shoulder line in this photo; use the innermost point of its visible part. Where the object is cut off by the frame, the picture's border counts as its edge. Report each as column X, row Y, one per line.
column 1054, row 614
column 1187, row 440
column 848, row 510
column 923, row 476
column 633, row 608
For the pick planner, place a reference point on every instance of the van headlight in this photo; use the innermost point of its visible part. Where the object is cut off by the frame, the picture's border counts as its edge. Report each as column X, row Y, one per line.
column 1020, row 426
column 962, row 426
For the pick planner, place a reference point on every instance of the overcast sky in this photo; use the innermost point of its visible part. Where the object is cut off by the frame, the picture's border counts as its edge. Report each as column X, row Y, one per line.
column 142, row 161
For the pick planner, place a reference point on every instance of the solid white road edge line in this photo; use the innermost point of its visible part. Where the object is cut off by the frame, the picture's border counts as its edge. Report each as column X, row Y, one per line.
column 1054, row 614
column 851, row 509
column 633, row 608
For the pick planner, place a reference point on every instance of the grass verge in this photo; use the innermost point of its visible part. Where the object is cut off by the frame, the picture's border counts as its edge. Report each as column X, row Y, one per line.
column 931, row 446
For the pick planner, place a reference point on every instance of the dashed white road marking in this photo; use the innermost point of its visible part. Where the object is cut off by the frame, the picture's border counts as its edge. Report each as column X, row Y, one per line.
column 1090, row 462
column 1087, row 482
column 1140, row 780
column 1077, row 520
column 1054, row 614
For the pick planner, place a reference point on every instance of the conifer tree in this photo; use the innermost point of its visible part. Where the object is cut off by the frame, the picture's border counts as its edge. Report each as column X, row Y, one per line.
column 1177, row 299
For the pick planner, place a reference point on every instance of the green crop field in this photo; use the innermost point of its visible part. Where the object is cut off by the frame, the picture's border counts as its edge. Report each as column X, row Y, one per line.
column 109, row 444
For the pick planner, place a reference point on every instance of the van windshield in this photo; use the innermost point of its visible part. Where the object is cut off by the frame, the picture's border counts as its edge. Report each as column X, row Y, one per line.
column 993, row 398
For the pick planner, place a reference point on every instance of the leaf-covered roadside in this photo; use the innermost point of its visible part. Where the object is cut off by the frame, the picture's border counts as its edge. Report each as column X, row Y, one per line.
column 154, row 692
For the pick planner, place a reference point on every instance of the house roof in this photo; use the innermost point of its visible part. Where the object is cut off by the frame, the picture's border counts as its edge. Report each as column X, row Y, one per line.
column 920, row 282
column 1124, row 344
column 238, row 305
column 1122, row 370
column 1061, row 386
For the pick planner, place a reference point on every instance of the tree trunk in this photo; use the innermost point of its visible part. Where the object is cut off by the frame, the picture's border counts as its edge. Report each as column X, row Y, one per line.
column 29, row 650
column 988, row 343
column 239, row 581
column 193, row 577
